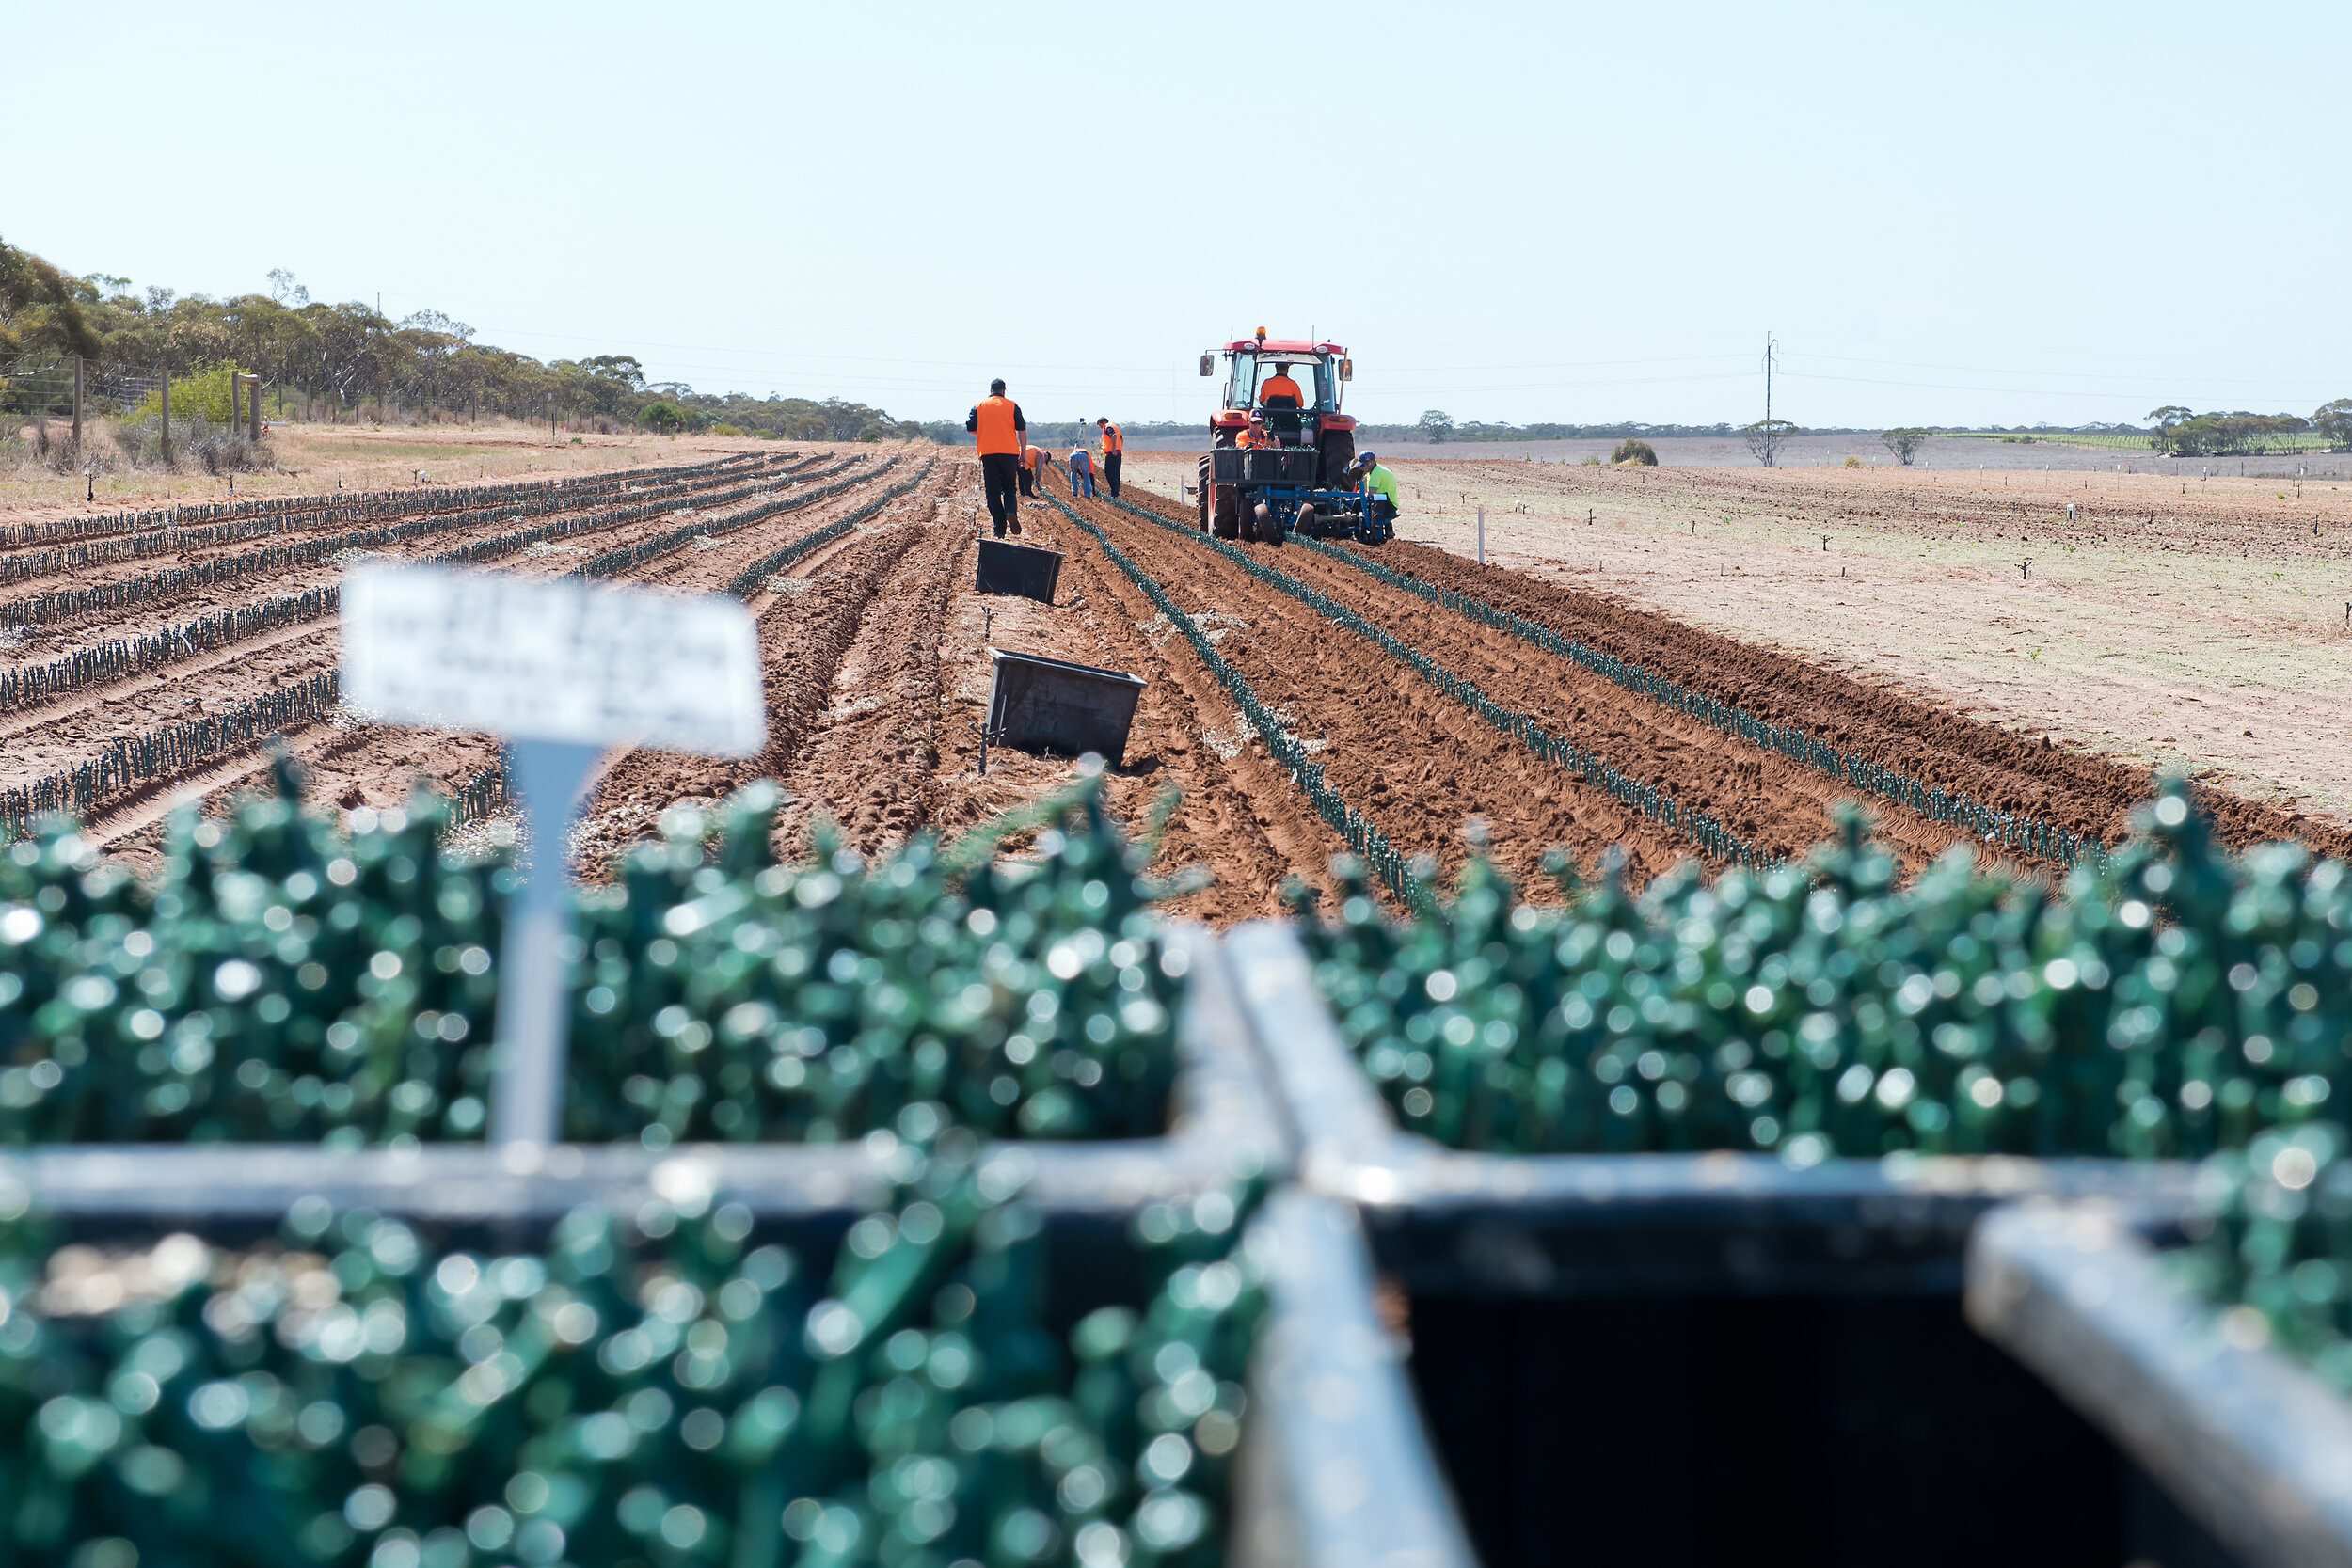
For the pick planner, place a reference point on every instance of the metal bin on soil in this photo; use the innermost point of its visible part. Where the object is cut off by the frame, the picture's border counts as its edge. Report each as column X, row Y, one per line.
column 2252, row 1443
column 1708, row 1357
column 1022, row 569
column 1053, row 705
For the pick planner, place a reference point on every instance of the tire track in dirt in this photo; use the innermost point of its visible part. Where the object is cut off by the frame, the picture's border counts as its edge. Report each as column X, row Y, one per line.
column 803, row 637
column 869, row 764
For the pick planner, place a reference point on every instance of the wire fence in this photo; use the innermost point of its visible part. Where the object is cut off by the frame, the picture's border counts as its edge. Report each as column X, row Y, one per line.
column 34, row 386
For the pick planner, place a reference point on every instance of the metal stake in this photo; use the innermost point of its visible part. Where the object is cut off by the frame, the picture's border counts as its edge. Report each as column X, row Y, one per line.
column 535, row 1004
column 1482, row 537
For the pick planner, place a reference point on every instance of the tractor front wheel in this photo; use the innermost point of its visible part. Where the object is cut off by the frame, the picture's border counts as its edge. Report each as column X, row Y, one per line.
column 1201, row 495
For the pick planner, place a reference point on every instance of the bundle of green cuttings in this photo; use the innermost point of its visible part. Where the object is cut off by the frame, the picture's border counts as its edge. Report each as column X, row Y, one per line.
column 666, row 1388
column 284, row 979
column 2167, row 1002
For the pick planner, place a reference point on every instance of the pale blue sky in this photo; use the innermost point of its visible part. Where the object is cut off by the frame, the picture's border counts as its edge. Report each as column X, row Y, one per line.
column 1992, row 213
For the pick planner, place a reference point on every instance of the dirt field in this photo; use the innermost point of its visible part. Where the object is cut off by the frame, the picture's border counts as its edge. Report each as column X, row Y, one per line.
column 2182, row 624
column 875, row 647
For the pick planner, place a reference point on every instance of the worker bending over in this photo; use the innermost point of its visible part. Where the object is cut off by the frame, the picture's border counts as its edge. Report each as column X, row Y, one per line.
column 1379, row 487
column 1081, row 472
column 1028, row 470
column 996, row 424
column 1114, row 448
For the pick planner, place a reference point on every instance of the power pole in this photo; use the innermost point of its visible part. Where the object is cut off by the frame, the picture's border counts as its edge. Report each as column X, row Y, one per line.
column 1768, row 378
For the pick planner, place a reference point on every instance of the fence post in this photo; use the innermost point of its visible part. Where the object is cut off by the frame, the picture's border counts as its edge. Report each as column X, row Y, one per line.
column 1482, row 537
column 77, row 405
column 237, row 409
column 166, row 413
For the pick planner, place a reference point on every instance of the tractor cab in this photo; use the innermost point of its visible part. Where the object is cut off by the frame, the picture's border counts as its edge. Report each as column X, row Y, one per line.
column 1282, row 454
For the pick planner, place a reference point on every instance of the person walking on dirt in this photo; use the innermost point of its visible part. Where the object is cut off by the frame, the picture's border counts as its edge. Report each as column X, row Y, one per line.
column 1029, row 471
column 1114, row 448
column 995, row 421
column 1081, row 472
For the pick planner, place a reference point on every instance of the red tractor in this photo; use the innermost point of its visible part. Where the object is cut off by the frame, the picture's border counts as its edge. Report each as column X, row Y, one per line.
column 1282, row 456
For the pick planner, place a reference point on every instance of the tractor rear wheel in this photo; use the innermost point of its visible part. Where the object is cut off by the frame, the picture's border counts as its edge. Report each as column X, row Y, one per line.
column 1201, row 495
column 1225, row 513
column 1339, row 452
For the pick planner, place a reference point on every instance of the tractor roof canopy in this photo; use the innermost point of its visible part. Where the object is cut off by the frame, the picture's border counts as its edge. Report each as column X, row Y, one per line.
column 1284, row 345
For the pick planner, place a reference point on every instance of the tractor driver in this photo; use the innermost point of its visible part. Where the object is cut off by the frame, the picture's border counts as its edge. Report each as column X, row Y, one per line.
column 1275, row 387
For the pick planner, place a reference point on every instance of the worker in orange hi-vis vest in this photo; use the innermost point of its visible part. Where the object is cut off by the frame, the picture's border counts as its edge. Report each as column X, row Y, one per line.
column 1114, row 448
column 996, row 425
column 1031, row 460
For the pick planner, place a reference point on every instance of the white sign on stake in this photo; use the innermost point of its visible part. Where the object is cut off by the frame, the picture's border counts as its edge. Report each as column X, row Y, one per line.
column 563, row 671
column 553, row 660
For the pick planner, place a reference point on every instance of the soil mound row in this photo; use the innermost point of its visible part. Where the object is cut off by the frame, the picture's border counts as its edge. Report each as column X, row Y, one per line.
column 2084, row 794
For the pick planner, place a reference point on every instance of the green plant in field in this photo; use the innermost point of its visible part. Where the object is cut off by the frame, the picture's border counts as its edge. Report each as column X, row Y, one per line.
column 662, row 418
column 1636, row 451
column 204, row 393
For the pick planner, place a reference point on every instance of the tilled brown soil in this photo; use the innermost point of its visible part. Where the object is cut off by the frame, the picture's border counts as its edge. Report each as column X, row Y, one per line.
column 2011, row 772
column 348, row 762
column 875, row 655
column 805, row 635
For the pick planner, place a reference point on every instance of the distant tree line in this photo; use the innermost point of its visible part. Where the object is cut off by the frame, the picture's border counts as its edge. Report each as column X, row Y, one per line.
column 2184, row 434
column 350, row 361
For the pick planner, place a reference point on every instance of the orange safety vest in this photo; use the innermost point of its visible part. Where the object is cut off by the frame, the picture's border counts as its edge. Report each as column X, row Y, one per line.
column 1028, row 459
column 1281, row 387
column 1256, row 435
column 996, row 433
column 1112, row 440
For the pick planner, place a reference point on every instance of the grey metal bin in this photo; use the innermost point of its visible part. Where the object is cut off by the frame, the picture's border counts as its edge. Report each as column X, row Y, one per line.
column 1673, row 1349
column 2252, row 1444
column 1053, row 704
column 1334, row 1470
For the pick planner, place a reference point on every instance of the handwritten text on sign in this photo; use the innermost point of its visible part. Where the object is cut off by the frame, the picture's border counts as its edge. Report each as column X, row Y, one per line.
column 540, row 660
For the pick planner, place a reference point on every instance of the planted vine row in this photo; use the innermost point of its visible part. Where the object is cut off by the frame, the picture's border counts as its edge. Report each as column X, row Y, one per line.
column 2018, row 831
column 747, row 582
column 173, row 747
column 1363, row 835
column 352, row 503
column 148, row 587
column 168, row 750
column 1700, row 827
